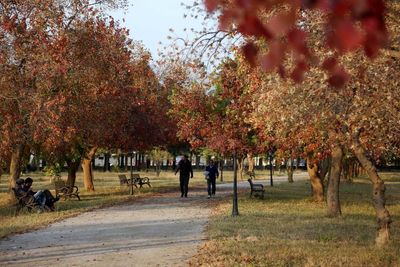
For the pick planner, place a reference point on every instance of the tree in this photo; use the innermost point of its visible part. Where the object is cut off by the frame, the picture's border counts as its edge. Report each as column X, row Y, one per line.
column 325, row 120
column 218, row 120
column 25, row 41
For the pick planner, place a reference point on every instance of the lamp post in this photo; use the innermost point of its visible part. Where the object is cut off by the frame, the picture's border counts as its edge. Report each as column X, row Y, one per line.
column 235, row 209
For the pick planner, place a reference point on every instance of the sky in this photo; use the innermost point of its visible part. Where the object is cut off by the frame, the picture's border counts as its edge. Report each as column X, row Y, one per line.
column 149, row 21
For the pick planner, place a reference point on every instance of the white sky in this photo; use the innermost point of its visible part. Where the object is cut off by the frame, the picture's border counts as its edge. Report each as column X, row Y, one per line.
column 149, row 21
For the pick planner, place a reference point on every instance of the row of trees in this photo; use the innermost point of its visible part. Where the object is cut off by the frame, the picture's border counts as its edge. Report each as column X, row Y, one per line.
column 249, row 110
column 72, row 82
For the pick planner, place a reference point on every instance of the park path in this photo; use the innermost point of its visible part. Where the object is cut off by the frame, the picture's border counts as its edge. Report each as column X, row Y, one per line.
column 161, row 230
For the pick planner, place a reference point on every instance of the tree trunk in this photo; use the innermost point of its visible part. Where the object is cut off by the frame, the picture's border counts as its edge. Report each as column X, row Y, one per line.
column 250, row 159
column 240, row 167
column 158, row 167
column 221, row 170
column 72, row 169
column 106, row 166
column 15, row 166
column 332, row 194
column 197, row 162
column 260, row 162
column 290, row 170
column 378, row 197
column 316, row 183
column 87, row 170
column 323, row 167
column 137, row 161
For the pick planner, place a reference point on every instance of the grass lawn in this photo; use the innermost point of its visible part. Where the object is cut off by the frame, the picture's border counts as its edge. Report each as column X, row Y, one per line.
column 288, row 229
column 108, row 192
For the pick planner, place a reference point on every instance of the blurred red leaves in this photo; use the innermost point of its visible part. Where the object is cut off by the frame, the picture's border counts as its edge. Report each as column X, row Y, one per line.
column 273, row 58
column 250, row 52
column 349, row 25
column 346, row 36
column 211, row 5
column 338, row 75
column 280, row 24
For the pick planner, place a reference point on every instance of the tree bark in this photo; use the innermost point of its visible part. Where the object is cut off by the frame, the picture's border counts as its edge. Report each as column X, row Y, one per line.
column 250, row 159
column 290, row 170
column 323, row 167
column 221, row 170
column 332, row 194
column 87, row 170
column 316, row 183
column 378, row 196
column 106, row 166
column 72, row 169
column 240, row 166
column 197, row 163
column 158, row 167
column 15, row 166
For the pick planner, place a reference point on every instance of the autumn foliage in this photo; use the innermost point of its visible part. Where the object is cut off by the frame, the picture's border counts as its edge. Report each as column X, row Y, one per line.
column 73, row 82
column 348, row 26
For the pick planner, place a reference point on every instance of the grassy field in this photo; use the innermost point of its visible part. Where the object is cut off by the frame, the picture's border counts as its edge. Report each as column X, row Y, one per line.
column 108, row 192
column 288, row 229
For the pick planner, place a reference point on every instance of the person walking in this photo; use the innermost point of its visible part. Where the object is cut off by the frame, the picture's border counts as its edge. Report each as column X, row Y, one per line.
column 212, row 174
column 185, row 172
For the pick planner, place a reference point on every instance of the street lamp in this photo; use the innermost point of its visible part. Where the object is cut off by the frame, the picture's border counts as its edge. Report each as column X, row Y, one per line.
column 235, row 209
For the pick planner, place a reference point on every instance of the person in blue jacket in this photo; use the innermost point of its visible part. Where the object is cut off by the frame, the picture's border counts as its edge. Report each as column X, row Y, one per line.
column 211, row 177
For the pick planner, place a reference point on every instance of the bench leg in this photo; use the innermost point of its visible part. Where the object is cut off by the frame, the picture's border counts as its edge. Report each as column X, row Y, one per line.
column 17, row 209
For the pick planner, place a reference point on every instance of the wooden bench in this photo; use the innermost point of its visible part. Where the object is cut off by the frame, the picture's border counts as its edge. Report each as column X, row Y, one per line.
column 256, row 189
column 24, row 201
column 64, row 190
column 123, row 180
column 251, row 175
column 136, row 180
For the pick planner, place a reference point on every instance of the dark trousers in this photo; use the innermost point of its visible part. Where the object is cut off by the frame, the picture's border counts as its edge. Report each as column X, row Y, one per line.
column 211, row 186
column 50, row 199
column 184, row 182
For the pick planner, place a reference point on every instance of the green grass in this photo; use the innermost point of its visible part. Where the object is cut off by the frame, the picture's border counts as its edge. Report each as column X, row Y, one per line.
column 287, row 228
column 108, row 192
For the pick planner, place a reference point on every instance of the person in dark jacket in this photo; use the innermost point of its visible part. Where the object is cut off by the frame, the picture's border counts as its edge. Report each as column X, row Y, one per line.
column 42, row 197
column 185, row 172
column 212, row 174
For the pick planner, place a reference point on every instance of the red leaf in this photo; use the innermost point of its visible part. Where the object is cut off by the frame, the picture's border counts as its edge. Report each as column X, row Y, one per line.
column 296, row 39
column 211, row 5
column 225, row 20
column 251, row 25
column 280, row 24
column 338, row 78
column 329, row 64
column 376, row 36
column 282, row 72
column 298, row 73
column 347, row 36
column 250, row 52
column 274, row 57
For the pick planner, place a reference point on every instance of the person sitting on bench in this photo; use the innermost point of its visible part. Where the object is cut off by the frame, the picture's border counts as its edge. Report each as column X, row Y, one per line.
column 42, row 197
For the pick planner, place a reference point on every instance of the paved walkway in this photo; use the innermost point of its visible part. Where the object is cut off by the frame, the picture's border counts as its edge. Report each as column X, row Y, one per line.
column 162, row 230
